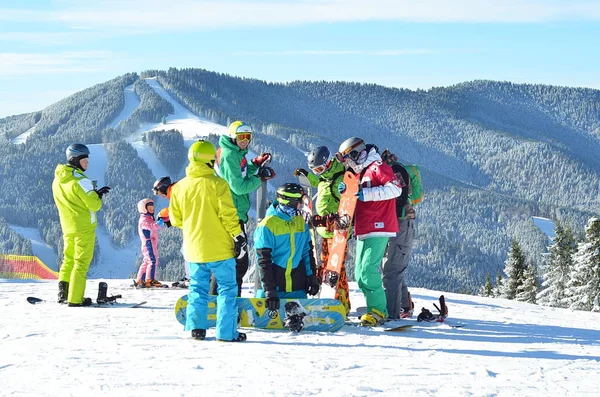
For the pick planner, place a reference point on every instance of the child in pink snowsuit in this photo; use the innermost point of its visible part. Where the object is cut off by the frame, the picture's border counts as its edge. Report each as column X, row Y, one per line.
column 148, row 232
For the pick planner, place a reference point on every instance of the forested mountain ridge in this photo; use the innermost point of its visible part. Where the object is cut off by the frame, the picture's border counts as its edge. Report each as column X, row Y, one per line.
column 492, row 154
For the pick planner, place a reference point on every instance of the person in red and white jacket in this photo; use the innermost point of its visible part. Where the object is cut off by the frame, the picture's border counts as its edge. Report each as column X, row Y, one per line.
column 375, row 221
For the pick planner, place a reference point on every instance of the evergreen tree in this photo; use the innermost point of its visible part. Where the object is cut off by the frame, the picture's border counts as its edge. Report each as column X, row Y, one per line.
column 514, row 268
column 498, row 288
column 558, row 270
column 584, row 285
column 487, row 289
column 528, row 290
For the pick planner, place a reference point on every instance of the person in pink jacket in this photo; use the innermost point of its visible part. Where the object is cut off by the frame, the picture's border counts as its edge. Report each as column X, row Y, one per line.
column 148, row 232
column 375, row 221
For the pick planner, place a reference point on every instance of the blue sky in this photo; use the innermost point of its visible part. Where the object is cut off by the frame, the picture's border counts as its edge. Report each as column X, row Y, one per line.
column 50, row 49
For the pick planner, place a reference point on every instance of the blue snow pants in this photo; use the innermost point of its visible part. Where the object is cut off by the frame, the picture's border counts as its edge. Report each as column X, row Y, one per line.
column 227, row 309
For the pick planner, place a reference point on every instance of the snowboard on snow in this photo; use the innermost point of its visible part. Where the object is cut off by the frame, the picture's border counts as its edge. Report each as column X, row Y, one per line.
column 36, row 301
column 426, row 317
column 324, row 315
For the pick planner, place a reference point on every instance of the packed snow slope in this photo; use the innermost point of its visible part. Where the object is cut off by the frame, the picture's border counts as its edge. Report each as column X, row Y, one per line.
column 506, row 348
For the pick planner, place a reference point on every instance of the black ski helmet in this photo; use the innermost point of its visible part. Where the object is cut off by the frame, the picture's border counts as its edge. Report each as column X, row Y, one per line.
column 290, row 194
column 162, row 185
column 353, row 148
column 76, row 152
column 319, row 159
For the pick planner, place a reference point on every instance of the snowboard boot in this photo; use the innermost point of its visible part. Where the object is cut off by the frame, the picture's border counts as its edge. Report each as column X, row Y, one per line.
column 86, row 302
column 154, row 284
column 372, row 318
column 199, row 334
column 139, row 284
column 102, row 290
column 63, row 291
column 240, row 338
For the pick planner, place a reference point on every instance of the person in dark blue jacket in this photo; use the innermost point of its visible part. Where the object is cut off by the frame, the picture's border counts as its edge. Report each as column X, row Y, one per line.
column 284, row 250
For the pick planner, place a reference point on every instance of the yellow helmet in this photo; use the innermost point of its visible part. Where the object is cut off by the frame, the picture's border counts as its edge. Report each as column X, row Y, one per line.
column 239, row 127
column 202, row 152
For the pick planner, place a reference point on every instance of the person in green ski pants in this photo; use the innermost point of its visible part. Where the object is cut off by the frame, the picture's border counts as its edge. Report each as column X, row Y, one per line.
column 375, row 221
column 77, row 201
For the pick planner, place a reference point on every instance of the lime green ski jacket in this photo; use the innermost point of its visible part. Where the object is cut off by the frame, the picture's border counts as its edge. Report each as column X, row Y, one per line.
column 328, row 197
column 76, row 200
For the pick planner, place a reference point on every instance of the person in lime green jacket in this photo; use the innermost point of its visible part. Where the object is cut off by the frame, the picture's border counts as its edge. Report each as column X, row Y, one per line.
column 201, row 205
column 77, row 201
column 327, row 173
column 243, row 177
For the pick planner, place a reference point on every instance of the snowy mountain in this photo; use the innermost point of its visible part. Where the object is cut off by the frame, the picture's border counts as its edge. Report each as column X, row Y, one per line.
column 486, row 150
column 506, row 348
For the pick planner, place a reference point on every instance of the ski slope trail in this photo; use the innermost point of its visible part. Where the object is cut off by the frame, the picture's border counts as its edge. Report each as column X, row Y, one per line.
column 132, row 101
column 507, row 348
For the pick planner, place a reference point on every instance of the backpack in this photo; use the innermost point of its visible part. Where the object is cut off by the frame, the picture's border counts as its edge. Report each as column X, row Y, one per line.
column 415, row 187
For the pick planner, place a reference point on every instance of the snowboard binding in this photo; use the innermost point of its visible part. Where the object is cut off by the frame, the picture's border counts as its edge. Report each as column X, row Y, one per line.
column 102, row 295
column 428, row 316
column 294, row 319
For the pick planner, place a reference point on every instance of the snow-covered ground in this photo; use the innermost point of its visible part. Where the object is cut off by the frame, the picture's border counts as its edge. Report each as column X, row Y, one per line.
column 23, row 137
column 507, row 348
column 546, row 226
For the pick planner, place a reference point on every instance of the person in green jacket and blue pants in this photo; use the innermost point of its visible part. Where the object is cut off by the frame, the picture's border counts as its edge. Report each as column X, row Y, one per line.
column 243, row 177
column 77, row 201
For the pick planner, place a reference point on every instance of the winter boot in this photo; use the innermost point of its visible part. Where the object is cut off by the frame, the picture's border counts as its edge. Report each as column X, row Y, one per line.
column 102, row 290
column 63, row 291
column 407, row 312
column 372, row 318
column 199, row 334
column 240, row 338
column 86, row 302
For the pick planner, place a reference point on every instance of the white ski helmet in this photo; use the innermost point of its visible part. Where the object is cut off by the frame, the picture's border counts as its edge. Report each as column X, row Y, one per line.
column 143, row 205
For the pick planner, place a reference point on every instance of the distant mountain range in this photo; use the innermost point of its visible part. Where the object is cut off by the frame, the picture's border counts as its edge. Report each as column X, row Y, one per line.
column 492, row 154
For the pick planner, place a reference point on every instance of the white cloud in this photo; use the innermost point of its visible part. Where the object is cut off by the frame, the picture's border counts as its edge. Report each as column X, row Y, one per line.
column 12, row 64
column 415, row 51
column 175, row 15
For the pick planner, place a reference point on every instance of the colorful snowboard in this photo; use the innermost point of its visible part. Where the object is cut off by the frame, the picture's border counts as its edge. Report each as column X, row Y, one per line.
column 346, row 213
column 324, row 315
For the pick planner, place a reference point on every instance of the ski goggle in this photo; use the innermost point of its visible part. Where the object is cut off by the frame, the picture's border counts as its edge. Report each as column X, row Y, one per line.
column 244, row 136
column 323, row 167
column 342, row 158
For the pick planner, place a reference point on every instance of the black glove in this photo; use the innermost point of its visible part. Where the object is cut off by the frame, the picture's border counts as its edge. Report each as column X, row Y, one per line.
column 313, row 285
column 272, row 301
column 240, row 246
column 266, row 173
column 102, row 191
column 299, row 171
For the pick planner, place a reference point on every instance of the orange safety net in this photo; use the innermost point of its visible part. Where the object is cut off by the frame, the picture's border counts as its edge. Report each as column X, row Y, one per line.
column 25, row 267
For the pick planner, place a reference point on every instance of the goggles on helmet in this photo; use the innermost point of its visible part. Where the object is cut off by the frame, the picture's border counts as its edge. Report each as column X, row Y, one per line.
column 354, row 155
column 323, row 167
column 293, row 200
column 243, row 136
